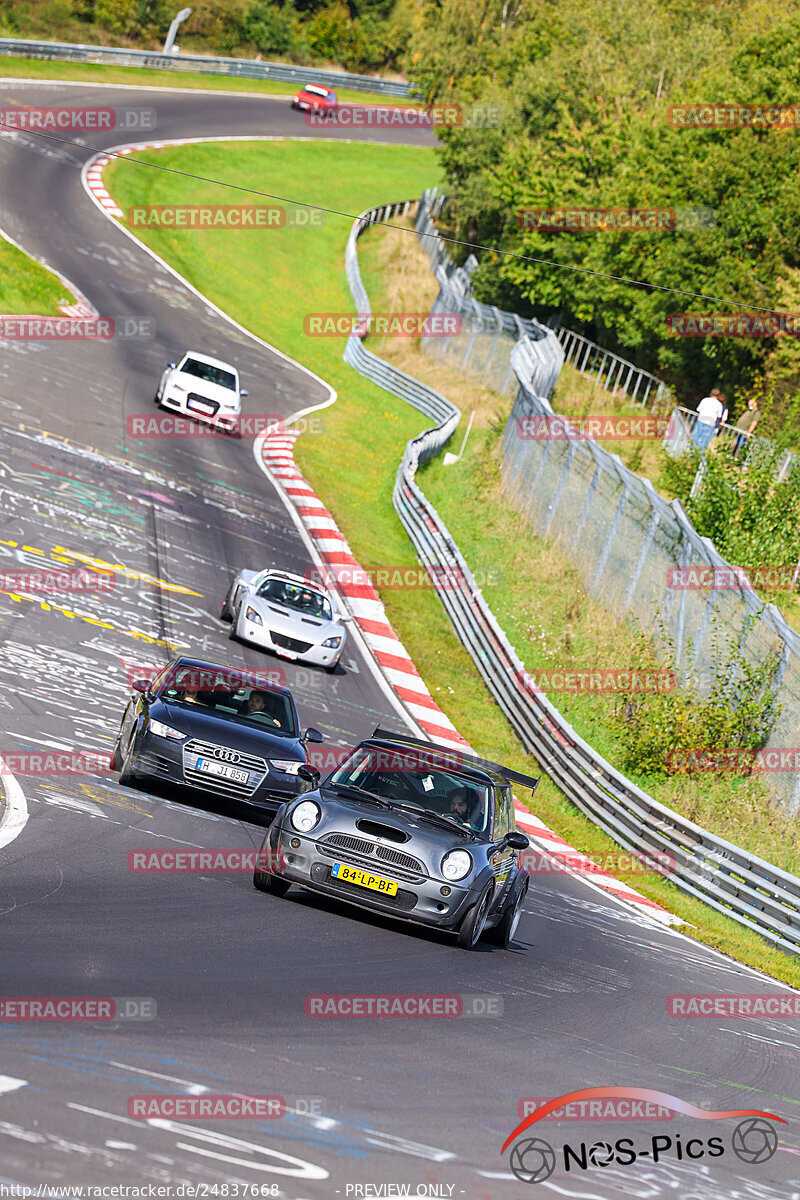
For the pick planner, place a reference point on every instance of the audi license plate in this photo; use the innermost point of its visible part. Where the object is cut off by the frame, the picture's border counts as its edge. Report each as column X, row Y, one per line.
column 203, row 406
column 209, row 767
column 364, row 879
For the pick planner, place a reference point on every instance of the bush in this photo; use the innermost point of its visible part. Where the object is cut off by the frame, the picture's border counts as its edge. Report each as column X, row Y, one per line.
column 661, row 731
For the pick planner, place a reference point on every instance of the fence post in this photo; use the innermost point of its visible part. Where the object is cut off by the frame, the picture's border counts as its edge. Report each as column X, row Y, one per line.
column 565, row 470
column 612, row 533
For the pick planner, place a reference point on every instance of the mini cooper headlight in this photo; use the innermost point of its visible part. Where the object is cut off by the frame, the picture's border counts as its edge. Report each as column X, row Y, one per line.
column 332, row 643
column 252, row 615
column 166, row 731
column 456, row 864
column 305, row 816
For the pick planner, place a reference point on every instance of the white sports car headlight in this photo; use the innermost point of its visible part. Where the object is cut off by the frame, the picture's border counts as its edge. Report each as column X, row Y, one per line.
column 166, row 731
column 332, row 642
column 456, row 865
column 290, row 765
column 306, row 816
column 252, row 615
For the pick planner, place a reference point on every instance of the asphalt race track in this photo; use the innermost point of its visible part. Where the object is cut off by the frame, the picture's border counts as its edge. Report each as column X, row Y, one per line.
column 580, row 999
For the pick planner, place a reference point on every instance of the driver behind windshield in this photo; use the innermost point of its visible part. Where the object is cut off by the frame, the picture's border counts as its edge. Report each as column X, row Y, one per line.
column 464, row 808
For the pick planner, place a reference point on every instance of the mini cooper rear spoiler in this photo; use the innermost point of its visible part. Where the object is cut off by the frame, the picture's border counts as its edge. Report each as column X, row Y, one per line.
column 467, row 758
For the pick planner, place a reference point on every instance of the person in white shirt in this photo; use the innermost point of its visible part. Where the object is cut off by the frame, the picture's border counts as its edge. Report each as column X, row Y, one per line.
column 710, row 410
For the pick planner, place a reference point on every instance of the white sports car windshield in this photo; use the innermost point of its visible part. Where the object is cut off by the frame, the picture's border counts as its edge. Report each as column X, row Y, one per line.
column 209, row 373
column 304, row 601
column 407, row 778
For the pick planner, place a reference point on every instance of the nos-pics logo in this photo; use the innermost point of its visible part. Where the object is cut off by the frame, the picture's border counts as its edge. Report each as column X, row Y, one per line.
column 753, row 1140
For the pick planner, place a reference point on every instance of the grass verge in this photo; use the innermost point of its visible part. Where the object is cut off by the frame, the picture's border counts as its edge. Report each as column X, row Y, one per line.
column 37, row 68
column 353, row 465
column 28, row 287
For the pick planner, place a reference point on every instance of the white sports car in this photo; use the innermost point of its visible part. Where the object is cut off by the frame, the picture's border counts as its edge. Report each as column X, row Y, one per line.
column 286, row 615
column 202, row 387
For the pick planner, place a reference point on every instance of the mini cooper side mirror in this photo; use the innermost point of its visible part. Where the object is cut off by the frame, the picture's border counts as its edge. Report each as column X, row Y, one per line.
column 311, row 735
column 141, row 685
column 517, row 840
column 309, row 774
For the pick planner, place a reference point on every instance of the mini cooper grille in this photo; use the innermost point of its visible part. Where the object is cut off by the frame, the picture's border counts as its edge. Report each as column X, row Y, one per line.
column 255, row 766
column 321, row 873
column 338, row 842
column 287, row 643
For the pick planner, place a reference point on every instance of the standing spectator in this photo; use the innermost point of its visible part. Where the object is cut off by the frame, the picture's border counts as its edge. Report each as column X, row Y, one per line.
column 720, row 421
column 746, row 423
column 709, row 411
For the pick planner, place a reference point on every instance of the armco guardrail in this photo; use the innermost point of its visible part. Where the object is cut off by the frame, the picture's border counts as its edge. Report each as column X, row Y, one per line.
column 744, row 887
column 488, row 335
column 242, row 68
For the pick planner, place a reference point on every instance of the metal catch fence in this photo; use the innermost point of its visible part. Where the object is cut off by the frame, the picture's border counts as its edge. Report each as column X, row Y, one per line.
column 743, row 886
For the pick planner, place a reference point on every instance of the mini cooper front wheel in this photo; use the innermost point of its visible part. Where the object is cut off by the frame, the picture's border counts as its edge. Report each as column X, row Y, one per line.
column 270, row 883
column 473, row 923
column 503, row 933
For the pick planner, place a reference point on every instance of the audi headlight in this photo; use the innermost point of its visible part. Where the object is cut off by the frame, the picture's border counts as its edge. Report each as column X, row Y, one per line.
column 333, row 642
column 306, row 816
column 290, row 765
column 252, row 615
column 166, row 731
column 456, row 865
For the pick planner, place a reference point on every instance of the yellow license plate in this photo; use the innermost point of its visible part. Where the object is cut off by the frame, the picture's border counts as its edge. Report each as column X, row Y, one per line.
column 364, row 879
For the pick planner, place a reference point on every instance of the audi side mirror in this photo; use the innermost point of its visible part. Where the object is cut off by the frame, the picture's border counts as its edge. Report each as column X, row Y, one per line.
column 312, row 735
column 243, row 392
column 171, row 364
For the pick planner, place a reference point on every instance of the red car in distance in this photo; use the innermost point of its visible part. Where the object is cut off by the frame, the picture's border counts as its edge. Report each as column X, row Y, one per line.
column 316, row 99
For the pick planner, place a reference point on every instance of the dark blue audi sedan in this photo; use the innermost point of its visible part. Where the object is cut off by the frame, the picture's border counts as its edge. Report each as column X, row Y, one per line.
column 218, row 730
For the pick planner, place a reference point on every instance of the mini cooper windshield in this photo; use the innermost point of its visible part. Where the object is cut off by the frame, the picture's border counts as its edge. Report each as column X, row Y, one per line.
column 407, row 779
column 304, row 601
